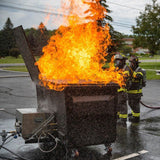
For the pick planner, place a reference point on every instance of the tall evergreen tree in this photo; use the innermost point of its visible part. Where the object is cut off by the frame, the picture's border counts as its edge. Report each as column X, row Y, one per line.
column 107, row 18
column 102, row 21
column 115, row 35
column 7, row 40
column 38, row 38
column 8, row 25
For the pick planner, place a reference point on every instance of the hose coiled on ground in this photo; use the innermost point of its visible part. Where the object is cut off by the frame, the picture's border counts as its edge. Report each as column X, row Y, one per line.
column 149, row 106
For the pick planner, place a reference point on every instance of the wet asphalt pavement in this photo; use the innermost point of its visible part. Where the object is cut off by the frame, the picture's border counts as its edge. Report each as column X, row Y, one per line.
column 137, row 141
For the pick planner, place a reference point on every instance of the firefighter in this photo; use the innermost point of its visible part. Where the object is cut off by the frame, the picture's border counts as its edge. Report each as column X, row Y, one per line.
column 120, row 64
column 138, row 80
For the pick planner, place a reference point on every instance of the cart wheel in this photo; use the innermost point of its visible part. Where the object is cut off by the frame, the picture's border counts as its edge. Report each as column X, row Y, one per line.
column 74, row 153
column 109, row 152
column 108, row 148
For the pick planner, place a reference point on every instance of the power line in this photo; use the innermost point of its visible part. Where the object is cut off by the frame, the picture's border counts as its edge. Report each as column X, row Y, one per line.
column 124, row 24
column 107, row 2
column 124, row 6
column 29, row 10
column 39, row 11
column 45, row 12
column 22, row 4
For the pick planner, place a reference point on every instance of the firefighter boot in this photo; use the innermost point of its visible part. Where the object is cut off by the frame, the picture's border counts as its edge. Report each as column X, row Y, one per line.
column 122, row 122
column 134, row 119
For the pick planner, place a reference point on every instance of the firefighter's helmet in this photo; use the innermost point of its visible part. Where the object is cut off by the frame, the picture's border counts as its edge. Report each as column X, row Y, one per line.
column 120, row 60
column 120, row 57
column 134, row 59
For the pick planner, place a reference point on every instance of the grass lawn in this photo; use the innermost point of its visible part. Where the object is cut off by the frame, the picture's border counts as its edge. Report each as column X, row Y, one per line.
column 10, row 59
column 150, row 65
column 151, row 75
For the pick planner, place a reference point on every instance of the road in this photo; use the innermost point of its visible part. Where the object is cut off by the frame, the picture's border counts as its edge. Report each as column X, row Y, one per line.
column 137, row 141
column 150, row 60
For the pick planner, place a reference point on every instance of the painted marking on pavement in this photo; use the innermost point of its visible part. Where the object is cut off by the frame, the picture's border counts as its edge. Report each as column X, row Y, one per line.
column 14, row 76
column 142, row 152
column 132, row 155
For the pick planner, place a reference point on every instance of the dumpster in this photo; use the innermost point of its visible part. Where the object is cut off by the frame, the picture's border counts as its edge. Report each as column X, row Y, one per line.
column 84, row 114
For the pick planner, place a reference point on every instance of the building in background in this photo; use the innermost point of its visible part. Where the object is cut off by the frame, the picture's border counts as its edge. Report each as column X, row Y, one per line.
column 129, row 42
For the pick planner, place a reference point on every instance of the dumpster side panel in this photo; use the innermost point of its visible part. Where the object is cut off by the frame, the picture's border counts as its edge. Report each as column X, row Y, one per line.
column 91, row 115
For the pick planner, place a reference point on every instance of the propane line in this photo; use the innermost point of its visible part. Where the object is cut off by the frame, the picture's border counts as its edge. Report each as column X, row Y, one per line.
column 149, row 106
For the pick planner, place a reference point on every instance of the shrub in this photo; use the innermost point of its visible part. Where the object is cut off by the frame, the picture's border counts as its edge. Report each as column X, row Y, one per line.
column 4, row 53
column 14, row 52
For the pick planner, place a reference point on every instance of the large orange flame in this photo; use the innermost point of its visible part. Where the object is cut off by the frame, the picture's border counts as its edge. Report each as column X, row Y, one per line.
column 75, row 54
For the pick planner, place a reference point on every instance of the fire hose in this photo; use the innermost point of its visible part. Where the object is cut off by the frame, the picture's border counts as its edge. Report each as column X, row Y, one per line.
column 149, row 106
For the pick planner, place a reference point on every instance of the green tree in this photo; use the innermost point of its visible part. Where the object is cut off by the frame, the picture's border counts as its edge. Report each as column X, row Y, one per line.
column 3, row 47
column 37, row 38
column 147, row 29
column 8, row 34
column 117, row 41
column 8, row 25
column 7, row 40
column 94, row 5
column 116, row 36
column 126, row 49
column 107, row 18
column 31, row 36
column 42, row 36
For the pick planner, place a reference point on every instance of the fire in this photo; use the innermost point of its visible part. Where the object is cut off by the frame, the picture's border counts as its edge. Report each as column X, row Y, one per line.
column 75, row 54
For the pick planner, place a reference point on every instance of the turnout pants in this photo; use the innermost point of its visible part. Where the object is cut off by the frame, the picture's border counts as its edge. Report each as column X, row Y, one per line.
column 134, row 103
column 122, row 104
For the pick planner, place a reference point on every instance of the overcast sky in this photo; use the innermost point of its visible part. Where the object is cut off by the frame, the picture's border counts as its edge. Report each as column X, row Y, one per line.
column 31, row 12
